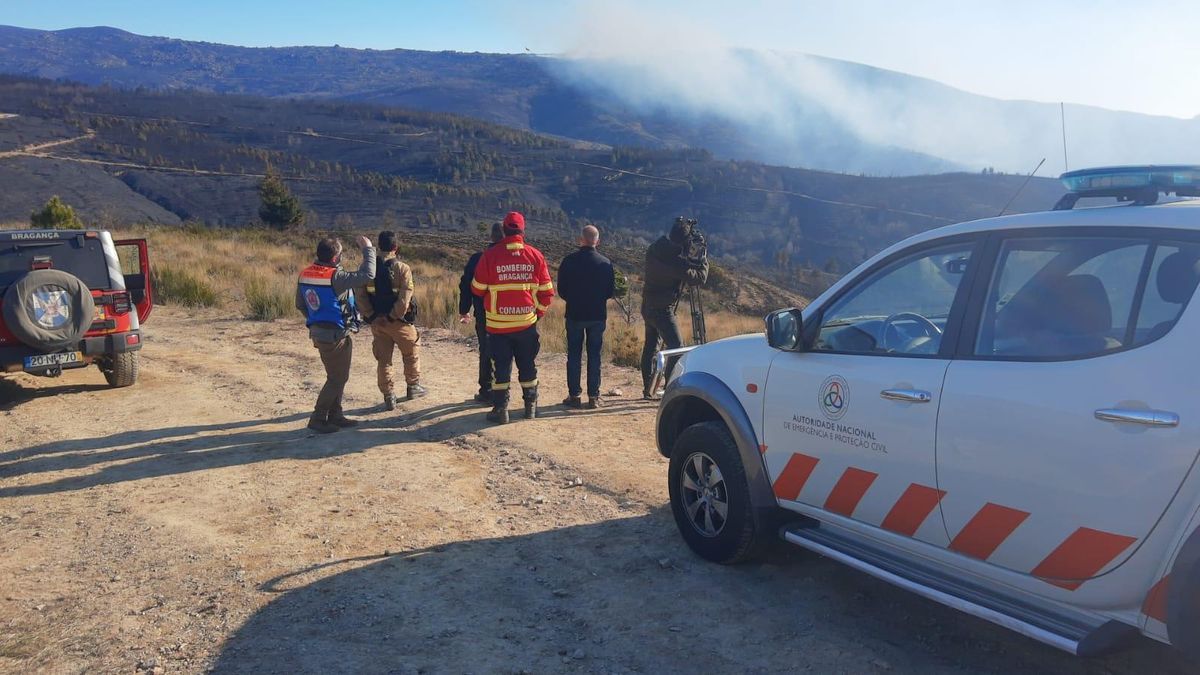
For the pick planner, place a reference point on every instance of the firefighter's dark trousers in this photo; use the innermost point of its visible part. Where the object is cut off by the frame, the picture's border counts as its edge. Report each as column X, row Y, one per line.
column 522, row 347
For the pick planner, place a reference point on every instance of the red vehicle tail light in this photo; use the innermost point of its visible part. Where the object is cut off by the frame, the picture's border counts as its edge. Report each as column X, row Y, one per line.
column 132, row 339
column 120, row 302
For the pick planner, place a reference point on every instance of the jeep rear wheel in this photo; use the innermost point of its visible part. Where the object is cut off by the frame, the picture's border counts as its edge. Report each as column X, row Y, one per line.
column 710, row 497
column 121, row 370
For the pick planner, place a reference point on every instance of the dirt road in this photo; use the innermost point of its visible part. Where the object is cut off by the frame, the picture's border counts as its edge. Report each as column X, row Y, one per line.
column 40, row 148
column 190, row 523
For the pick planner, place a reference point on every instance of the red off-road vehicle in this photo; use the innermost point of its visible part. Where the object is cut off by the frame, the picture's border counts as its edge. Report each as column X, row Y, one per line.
column 71, row 298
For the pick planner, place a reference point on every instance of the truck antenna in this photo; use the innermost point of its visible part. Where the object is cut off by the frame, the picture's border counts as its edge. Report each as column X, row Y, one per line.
column 1062, row 111
column 1027, row 179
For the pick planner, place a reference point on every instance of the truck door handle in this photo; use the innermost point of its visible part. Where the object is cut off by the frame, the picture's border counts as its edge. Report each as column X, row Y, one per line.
column 1149, row 418
column 907, row 395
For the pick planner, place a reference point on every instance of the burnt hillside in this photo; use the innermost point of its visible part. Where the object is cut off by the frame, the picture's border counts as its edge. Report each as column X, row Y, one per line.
column 126, row 156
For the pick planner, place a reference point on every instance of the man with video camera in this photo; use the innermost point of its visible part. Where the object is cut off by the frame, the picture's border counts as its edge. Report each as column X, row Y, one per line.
column 675, row 261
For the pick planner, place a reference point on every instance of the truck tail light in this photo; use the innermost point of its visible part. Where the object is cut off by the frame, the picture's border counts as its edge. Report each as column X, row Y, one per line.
column 120, row 302
column 132, row 339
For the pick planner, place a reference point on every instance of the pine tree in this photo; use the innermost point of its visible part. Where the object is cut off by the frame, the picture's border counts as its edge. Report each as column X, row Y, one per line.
column 279, row 209
column 55, row 215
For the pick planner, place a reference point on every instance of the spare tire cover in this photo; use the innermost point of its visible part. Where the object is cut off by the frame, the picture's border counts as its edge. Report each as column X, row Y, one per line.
column 49, row 309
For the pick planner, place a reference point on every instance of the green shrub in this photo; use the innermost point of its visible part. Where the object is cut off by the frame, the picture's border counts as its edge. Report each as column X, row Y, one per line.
column 55, row 215
column 180, row 287
column 269, row 300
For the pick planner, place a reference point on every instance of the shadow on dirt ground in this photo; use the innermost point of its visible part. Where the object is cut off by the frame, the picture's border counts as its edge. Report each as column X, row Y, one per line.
column 13, row 395
column 623, row 596
column 138, row 454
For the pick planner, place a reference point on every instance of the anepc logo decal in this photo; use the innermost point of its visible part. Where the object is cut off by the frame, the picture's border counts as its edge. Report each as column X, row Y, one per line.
column 834, row 397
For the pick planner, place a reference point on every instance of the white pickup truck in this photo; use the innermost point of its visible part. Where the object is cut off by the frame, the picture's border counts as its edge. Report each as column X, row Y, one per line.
column 1000, row 415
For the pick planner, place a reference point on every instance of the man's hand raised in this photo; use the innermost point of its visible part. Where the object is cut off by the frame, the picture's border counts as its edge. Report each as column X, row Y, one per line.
column 362, row 241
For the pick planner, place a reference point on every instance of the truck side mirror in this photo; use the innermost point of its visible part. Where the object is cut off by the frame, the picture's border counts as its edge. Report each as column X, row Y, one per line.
column 785, row 330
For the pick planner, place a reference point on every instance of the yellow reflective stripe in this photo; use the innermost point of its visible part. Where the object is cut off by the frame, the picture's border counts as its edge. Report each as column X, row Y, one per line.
column 514, row 246
column 509, row 318
column 476, row 284
column 371, row 288
column 491, row 323
column 316, row 281
column 541, row 307
column 546, row 287
column 500, row 386
column 530, row 384
column 512, row 287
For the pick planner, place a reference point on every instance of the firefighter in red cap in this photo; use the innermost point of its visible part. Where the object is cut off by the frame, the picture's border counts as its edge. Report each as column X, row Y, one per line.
column 514, row 282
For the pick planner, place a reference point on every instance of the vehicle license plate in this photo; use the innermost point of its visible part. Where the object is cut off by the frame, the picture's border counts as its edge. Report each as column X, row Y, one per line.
column 44, row 360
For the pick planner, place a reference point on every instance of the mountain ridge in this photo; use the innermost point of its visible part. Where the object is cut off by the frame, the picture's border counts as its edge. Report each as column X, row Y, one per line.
column 799, row 110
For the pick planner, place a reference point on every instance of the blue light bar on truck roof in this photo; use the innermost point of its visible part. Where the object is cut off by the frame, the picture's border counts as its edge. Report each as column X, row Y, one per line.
column 1138, row 184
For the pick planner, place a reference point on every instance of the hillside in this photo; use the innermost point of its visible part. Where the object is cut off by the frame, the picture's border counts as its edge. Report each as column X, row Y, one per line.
column 134, row 156
column 787, row 109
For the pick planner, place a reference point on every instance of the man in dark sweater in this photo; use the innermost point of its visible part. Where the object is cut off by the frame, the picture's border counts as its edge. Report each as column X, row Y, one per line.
column 469, row 302
column 585, row 282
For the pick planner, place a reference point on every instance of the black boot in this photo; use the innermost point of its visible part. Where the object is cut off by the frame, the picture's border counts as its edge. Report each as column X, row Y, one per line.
column 389, row 401
column 416, row 391
column 338, row 419
column 319, row 422
column 499, row 413
column 530, row 395
column 484, row 397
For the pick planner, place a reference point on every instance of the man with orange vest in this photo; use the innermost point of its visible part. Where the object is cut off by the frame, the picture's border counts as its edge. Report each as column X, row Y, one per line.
column 323, row 296
column 514, row 282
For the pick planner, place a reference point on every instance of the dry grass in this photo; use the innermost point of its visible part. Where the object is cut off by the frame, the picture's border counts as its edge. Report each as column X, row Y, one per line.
column 254, row 272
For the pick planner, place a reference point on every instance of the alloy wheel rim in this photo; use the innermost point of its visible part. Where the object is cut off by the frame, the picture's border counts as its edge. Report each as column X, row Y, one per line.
column 704, row 495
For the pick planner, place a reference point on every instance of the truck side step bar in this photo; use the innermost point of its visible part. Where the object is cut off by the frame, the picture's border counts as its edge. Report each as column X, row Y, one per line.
column 1076, row 633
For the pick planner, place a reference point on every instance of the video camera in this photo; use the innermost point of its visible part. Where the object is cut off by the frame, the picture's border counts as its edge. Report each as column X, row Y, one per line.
column 697, row 246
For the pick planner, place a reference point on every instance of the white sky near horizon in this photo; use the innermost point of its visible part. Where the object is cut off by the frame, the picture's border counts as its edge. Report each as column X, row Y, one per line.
column 1109, row 53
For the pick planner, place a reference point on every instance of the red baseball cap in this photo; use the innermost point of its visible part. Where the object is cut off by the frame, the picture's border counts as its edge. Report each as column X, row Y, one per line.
column 514, row 221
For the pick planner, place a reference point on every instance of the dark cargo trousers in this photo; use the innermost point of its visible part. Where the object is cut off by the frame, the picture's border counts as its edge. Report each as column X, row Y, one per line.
column 485, row 358
column 660, row 325
column 522, row 347
column 335, row 356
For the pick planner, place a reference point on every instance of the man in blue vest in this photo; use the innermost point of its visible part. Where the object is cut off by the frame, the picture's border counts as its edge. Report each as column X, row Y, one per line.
column 323, row 296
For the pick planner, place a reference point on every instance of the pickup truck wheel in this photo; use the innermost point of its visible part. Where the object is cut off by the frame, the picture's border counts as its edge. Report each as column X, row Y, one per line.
column 710, row 497
column 120, row 370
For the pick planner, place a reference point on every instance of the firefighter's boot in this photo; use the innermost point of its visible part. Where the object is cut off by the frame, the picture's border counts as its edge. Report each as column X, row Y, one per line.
column 531, row 396
column 499, row 413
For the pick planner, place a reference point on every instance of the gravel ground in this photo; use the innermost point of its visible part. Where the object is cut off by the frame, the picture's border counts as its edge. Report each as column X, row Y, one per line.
column 191, row 524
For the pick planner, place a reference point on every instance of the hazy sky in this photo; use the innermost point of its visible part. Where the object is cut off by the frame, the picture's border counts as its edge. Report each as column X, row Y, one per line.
column 1111, row 53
